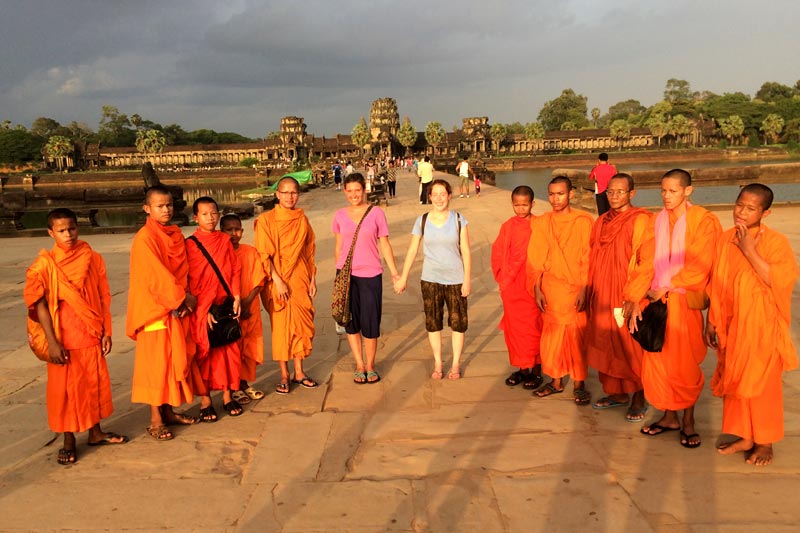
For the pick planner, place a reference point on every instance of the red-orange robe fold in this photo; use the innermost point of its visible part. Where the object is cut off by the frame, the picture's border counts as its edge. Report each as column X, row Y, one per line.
column 164, row 370
column 285, row 237
column 252, row 343
column 673, row 379
column 559, row 253
column 616, row 245
column 219, row 366
column 79, row 392
column 753, row 323
column 521, row 323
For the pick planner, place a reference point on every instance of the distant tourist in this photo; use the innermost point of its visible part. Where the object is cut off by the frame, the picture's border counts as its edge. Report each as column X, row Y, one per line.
column 600, row 175
column 337, row 175
column 371, row 169
column 464, row 174
column 391, row 177
column 425, row 174
column 349, row 169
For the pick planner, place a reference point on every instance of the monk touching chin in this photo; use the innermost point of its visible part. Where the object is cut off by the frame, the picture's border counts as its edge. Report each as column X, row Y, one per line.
column 748, row 323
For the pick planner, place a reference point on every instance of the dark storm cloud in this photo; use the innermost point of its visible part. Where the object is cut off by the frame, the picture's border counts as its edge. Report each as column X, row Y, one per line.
column 240, row 65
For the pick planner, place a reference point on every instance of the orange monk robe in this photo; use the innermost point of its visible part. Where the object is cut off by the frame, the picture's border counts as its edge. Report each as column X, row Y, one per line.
column 164, row 371
column 616, row 245
column 78, row 392
column 252, row 343
column 558, row 252
column 219, row 366
column 522, row 321
column 752, row 321
column 673, row 379
column 285, row 237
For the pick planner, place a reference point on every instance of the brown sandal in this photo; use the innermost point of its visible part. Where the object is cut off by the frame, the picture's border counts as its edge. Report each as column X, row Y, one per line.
column 159, row 433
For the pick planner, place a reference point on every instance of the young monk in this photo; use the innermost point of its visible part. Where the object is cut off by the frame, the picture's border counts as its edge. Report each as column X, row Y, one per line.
column 285, row 242
column 219, row 366
column 558, row 259
column 615, row 286
column 159, row 303
column 685, row 238
column 748, row 323
column 253, row 279
column 66, row 291
column 522, row 321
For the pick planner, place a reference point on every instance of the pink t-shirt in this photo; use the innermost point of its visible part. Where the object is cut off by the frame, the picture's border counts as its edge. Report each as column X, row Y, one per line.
column 366, row 259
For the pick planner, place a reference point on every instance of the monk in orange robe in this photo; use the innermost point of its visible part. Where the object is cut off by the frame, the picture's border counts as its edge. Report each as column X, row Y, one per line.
column 558, row 259
column 614, row 262
column 522, row 321
column 66, row 292
column 219, row 366
column 685, row 236
column 251, row 344
column 164, row 371
column 286, row 244
column 748, row 323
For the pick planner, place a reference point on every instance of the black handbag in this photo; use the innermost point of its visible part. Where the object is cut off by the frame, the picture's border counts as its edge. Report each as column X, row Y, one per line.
column 652, row 327
column 227, row 329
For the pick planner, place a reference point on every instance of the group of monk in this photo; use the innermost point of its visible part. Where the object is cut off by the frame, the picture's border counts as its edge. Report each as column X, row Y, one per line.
column 574, row 290
column 176, row 286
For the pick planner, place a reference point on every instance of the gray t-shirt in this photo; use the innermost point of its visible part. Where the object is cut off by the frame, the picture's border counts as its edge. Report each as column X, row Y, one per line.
column 441, row 256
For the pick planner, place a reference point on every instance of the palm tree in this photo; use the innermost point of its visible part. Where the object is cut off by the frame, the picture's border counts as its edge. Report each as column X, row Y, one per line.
column 772, row 127
column 731, row 127
column 360, row 135
column 59, row 147
column 620, row 131
column 595, row 115
column 407, row 135
column 150, row 141
column 533, row 131
column 434, row 133
column 658, row 126
column 498, row 133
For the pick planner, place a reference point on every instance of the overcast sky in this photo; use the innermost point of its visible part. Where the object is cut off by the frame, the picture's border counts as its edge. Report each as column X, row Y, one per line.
column 241, row 65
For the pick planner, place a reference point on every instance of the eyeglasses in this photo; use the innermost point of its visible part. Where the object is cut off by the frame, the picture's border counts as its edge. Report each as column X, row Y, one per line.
column 616, row 192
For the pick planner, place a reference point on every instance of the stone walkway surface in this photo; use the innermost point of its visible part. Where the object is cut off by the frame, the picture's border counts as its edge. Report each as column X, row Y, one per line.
column 405, row 454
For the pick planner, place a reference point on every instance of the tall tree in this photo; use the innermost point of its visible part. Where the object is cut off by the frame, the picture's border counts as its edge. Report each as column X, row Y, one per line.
column 534, row 130
column 360, row 134
column 679, row 126
column 150, row 142
column 46, row 127
column 115, row 128
column 659, row 127
column 434, row 134
column 731, row 127
column 626, row 109
column 568, row 107
column 407, row 135
column 498, row 133
column 772, row 91
column 79, row 131
column 772, row 127
column 677, row 91
column 595, row 116
column 19, row 147
column 59, row 147
column 620, row 131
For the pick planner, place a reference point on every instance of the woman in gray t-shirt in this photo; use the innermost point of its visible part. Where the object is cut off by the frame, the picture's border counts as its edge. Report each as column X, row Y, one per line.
column 446, row 269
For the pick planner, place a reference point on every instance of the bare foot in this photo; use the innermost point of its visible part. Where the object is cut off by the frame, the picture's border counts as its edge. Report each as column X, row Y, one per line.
column 761, row 455
column 735, row 446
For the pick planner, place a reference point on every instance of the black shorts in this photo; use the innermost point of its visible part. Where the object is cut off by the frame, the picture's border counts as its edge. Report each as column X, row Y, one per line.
column 366, row 297
column 434, row 297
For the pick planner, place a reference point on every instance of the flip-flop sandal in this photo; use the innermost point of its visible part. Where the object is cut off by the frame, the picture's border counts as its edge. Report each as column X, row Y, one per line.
column 636, row 415
column 233, row 408
column 659, row 430
column 547, row 390
column 533, row 381
column 515, row 378
column 359, row 378
column 582, row 396
column 436, row 374
column 66, row 457
column 160, row 433
column 685, row 440
column 282, row 388
column 306, row 382
column 241, row 397
column 606, row 402
column 110, row 439
column 373, row 374
column 254, row 394
column 208, row 415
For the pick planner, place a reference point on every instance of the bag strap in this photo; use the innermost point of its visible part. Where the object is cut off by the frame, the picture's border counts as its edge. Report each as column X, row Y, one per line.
column 355, row 235
column 212, row 263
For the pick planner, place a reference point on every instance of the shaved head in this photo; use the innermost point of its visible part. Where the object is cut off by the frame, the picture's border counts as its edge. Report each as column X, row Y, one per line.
column 678, row 173
column 762, row 191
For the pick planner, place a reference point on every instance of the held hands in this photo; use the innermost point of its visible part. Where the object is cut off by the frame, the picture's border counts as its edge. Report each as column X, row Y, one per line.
column 399, row 285
column 710, row 336
column 105, row 344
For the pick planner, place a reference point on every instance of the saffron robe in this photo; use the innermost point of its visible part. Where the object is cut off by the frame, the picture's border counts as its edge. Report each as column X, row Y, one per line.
column 285, row 237
column 74, row 283
column 164, row 370
column 614, row 259
column 219, row 366
column 558, row 253
column 673, row 379
column 752, row 322
column 521, row 323
column 251, row 344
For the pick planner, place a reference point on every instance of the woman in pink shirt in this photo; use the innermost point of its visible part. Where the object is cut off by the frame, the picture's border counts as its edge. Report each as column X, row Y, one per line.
column 366, row 280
